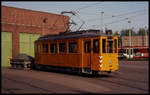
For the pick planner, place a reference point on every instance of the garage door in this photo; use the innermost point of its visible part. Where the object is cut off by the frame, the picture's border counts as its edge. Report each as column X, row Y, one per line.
column 27, row 43
column 6, row 49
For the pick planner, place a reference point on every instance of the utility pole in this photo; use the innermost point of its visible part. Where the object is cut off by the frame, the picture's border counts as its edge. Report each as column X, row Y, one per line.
column 102, row 21
column 146, row 43
column 129, row 40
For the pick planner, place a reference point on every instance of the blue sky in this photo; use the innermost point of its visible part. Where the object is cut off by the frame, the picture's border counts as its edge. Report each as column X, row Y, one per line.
column 90, row 12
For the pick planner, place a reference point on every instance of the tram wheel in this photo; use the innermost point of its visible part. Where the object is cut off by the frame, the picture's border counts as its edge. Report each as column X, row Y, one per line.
column 94, row 72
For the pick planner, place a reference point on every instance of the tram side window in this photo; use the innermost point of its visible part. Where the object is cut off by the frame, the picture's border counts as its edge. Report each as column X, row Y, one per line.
column 110, row 47
column 104, row 45
column 115, row 45
column 53, row 48
column 129, row 51
column 73, row 47
column 45, row 48
column 35, row 48
column 38, row 48
column 87, row 47
column 96, row 45
column 62, row 47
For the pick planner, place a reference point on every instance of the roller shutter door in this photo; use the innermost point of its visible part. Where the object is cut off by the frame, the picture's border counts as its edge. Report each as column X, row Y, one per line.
column 6, row 49
column 27, row 43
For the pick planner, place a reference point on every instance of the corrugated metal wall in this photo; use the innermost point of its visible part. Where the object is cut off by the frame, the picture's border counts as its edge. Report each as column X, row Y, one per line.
column 27, row 43
column 6, row 49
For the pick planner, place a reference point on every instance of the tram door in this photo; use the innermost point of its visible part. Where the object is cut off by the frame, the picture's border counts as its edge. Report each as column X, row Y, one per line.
column 91, row 54
column 87, row 55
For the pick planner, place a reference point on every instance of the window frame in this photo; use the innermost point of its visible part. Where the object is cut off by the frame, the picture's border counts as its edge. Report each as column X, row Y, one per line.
column 110, row 46
column 85, row 47
column 98, row 45
column 45, row 49
column 60, row 52
column 73, row 42
column 115, row 46
column 54, row 48
column 104, row 46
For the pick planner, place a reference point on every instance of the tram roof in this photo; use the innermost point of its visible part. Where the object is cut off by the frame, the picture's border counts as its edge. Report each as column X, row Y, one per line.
column 70, row 35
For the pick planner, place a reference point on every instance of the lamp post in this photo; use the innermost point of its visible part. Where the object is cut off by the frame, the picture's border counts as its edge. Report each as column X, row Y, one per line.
column 102, row 21
column 129, row 40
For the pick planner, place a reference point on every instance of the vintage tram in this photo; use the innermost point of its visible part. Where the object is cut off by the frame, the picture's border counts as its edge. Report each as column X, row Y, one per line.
column 81, row 51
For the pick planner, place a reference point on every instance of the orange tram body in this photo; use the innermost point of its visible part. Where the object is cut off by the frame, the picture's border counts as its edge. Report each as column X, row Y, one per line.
column 82, row 51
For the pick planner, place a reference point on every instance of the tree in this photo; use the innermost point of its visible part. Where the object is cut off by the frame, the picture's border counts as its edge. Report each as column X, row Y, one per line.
column 141, row 31
column 116, row 33
column 125, row 32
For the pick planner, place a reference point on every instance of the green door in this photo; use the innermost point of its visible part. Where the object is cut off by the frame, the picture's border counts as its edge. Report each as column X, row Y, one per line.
column 27, row 43
column 6, row 49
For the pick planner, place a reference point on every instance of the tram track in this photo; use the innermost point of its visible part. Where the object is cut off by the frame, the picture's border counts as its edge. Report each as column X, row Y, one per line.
column 25, row 83
column 121, row 81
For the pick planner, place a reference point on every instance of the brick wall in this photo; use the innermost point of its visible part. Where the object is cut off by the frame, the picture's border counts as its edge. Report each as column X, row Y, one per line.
column 33, row 20
column 17, row 20
column 135, row 41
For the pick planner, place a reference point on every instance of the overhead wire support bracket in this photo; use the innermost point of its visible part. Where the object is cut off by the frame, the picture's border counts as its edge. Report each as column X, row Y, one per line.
column 71, row 12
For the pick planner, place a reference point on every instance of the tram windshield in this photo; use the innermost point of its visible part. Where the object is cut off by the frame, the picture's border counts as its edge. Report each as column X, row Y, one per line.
column 110, row 47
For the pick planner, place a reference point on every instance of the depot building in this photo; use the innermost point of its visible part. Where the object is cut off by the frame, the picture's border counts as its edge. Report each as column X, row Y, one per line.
column 21, row 27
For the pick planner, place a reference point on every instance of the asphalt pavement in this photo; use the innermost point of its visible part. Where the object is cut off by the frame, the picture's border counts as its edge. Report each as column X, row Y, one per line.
column 132, row 77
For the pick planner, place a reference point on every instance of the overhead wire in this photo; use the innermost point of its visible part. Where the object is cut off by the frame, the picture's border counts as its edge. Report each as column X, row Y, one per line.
column 81, row 8
column 129, row 13
column 123, row 19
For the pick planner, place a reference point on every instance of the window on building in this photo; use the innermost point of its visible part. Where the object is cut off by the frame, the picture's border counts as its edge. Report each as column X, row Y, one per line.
column 53, row 48
column 115, row 45
column 45, row 48
column 104, row 45
column 87, row 46
column 96, row 45
column 73, row 47
column 62, row 47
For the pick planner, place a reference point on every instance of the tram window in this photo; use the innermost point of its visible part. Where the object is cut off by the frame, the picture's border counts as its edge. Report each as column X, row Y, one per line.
column 87, row 47
column 35, row 48
column 62, row 47
column 53, row 48
column 45, row 48
column 135, row 50
column 73, row 47
column 110, row 46
column 104, row 45
column 131, row 51
column 38, row 48
column 128, row 51
column 96, row 45
column 115, row 45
